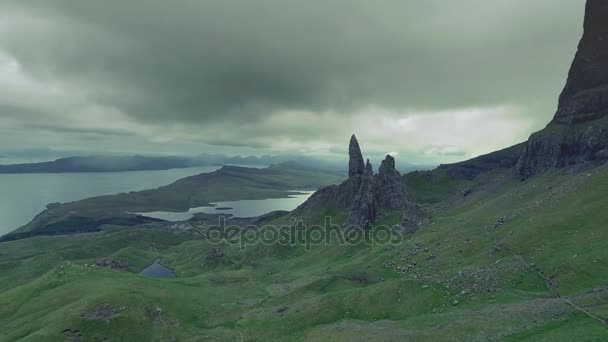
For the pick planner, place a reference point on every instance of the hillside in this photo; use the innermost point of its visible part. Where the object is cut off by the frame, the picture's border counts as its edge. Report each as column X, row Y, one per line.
column 530, row 255
column 509, row 246
column 226, row 184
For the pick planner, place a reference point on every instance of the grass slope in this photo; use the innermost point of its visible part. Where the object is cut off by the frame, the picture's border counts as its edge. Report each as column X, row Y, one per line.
column 508, row 261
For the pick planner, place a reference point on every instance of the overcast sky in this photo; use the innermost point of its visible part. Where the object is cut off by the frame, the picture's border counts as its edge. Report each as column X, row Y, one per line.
column 429, row 80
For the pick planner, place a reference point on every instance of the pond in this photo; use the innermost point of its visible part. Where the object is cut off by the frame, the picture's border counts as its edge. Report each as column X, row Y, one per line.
column 242, row 208
column 156, row 270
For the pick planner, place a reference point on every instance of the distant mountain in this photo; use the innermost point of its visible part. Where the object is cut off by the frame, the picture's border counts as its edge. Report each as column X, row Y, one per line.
column 118, row 163
column 103, row 164
column 82, row 164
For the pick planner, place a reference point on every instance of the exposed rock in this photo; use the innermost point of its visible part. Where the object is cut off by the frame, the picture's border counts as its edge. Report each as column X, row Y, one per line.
column 579, row 131
column 364, row 209
column 414, row 218
column 281, row 310
column 585, row 96
column 389, row 188
column 334, row 196
column 560, row 145
column 113, row 264
column 154, row 315
column 369, row 170
column 363, row 194
column 73, row 335
column 103, row 312
column 355, row 163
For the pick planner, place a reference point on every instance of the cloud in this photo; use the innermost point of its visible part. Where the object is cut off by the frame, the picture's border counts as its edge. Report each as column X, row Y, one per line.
column 276, row 75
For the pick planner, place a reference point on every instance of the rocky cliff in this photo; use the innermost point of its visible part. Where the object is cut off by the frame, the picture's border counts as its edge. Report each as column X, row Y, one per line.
column 364, row 195
column 585, row 96
column 579, row 131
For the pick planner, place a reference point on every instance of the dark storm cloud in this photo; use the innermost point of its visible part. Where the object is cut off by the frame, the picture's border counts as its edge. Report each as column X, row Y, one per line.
column 234, row 63
column 78, row 130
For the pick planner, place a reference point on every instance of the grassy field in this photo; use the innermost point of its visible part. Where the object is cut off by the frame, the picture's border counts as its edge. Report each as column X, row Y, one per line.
column 506, row 260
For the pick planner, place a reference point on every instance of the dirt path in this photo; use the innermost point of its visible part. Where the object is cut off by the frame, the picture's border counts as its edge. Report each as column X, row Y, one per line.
column 551, row 287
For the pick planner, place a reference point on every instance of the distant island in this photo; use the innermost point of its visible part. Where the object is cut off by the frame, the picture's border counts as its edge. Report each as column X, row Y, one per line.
column 109, row 163
column 103, row 164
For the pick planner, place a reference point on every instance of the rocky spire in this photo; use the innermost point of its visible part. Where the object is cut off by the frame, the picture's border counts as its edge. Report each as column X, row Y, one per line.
column 388, row 165
column 369, row 170
column 389, row 189
column 585, row 96
column 366, row 196
column 355, row 163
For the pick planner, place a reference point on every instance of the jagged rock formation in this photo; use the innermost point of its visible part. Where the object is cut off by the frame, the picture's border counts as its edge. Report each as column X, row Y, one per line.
column 579, row 131
column 355, row 162
column 364, row 209
column 364, row 195
column 389, row 189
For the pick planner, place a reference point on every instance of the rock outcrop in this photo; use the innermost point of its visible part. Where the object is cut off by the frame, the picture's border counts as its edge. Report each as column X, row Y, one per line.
column 579, row 131
column 585, row 96
column 355, row 162
column 414, row 218
column 364, row 209
column 389, row 188
column 364, row 195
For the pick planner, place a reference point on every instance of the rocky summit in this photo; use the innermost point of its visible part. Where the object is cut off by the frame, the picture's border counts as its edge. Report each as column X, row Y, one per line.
column 389, row 188
column 585, row 96
column 579, row 131
column 364, row 195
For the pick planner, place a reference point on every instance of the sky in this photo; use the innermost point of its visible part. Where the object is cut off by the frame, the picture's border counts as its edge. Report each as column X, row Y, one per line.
column 428, row 81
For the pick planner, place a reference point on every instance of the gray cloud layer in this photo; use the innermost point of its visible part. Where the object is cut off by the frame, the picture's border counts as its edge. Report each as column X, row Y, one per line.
column 233, row 69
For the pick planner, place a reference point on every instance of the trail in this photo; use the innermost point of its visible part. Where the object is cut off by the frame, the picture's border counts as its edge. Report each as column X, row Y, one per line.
column 552, row 288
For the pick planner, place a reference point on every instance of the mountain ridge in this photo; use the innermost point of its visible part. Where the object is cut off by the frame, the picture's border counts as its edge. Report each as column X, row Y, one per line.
column 578, row 133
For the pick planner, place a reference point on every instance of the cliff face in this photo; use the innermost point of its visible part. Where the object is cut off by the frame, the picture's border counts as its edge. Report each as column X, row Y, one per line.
column 364, row 194
column 579, row 131
column 585, row 96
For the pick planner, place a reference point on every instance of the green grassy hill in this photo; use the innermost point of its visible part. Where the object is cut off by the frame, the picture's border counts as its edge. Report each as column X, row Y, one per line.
column 501, row 260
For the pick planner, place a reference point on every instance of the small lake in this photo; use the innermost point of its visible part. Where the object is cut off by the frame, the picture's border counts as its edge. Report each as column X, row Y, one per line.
column 242, row 208
column 156, row 270
column 25, row 195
